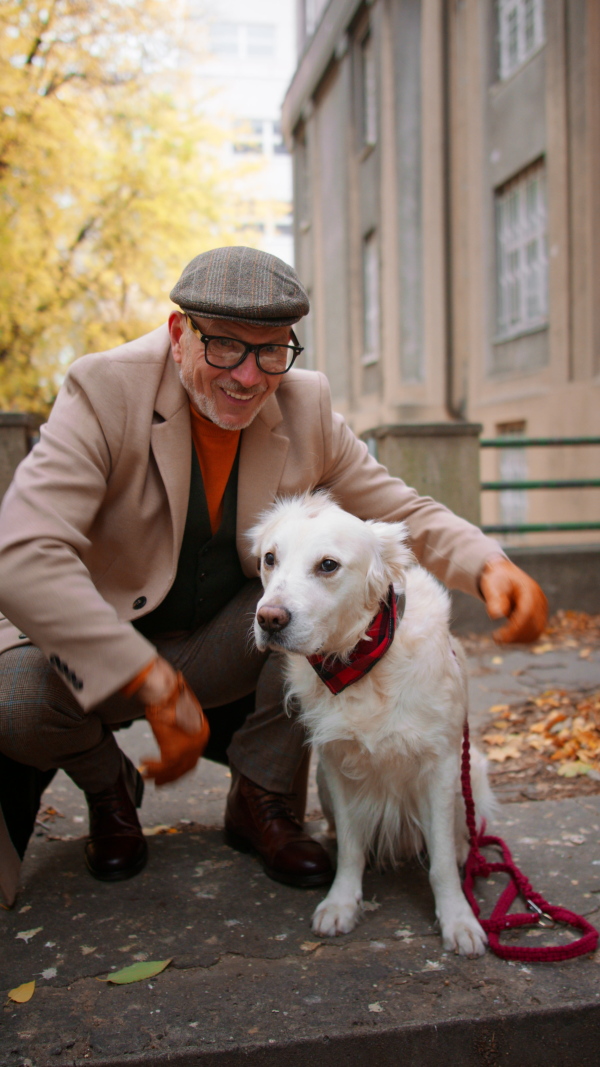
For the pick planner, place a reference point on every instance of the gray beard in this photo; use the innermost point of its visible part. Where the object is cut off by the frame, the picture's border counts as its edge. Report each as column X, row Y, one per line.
column 206, row 405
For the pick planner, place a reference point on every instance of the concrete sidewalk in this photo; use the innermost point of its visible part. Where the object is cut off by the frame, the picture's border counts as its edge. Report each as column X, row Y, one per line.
column 250, row 984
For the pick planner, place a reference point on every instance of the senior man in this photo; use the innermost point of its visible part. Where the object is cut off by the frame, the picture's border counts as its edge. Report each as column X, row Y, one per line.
column 127, row 579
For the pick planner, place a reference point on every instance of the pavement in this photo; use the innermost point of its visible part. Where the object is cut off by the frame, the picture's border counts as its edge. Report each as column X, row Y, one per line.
column 249, row 983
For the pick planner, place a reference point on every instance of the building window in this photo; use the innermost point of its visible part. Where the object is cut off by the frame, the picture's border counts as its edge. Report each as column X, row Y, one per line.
column 512, row 464
column 522, row 261
column 248, row 137
column 260, row 41
column 521, row 32
column 368, row 87
column 371, row 318
column 224, row 39
column 279, row 146
column 243, row 40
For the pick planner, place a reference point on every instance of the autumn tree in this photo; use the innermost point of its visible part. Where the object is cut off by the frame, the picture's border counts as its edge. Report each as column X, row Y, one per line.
column 107, row 186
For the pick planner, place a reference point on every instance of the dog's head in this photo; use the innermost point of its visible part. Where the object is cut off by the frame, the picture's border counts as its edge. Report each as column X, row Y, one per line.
column 324, row 574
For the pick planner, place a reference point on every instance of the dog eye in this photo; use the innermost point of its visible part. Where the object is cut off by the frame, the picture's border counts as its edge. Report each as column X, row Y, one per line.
column 269, row 559
column 328, row 566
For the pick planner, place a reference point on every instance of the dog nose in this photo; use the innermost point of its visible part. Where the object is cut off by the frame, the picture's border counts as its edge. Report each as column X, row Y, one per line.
column 272, row 619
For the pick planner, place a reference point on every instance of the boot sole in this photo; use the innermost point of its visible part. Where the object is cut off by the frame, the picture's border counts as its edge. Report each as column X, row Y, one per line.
column 300, row 881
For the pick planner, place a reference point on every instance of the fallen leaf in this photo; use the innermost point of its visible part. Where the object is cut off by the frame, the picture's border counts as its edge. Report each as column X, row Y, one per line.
column 540, row 650
column 26, row 935
column 49, row 973
column 496, row 709
column 375, row 1006
column 88, row 949
column 572, row 770
column 585, row 652
column 22, row 993
column 137, row 972
column 309, row 946
column 370, row 905
column 26, row 907
column 497, row 660
column 161, row 828
column 500, row 753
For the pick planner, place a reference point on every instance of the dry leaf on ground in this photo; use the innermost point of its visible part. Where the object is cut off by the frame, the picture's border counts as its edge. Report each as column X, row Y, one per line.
column 22, row 993
column 137, row 972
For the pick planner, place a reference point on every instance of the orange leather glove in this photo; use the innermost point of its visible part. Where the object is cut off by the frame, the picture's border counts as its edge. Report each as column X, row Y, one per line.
column 511, row 594
column 178, row 723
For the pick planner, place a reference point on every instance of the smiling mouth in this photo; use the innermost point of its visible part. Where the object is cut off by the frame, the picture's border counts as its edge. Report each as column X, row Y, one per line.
column 238, row 397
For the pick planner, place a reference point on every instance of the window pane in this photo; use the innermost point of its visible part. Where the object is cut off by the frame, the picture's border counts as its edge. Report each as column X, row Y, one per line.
column 368, row 91
column 371, row 299
column 261, row 41
column 521, row 254
column 521, row 32
column 224, row 39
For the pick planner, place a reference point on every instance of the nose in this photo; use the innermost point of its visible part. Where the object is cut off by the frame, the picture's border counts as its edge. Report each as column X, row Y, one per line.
column 248, row 373
column 272, row 619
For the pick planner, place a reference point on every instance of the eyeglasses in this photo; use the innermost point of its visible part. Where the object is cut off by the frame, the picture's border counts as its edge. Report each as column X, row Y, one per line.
column 228, row 352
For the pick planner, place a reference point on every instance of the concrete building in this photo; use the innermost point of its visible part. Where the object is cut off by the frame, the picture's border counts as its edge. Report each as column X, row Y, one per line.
column 447, row 223
column 241, row 59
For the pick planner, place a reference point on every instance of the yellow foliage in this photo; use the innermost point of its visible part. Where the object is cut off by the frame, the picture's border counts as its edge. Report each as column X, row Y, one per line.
column 107, row 187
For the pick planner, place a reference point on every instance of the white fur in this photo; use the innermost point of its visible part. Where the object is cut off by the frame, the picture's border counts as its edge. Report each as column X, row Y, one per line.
column 389, row 746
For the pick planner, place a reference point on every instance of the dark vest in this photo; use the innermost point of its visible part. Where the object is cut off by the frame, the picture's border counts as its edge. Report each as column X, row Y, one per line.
column 209, row 573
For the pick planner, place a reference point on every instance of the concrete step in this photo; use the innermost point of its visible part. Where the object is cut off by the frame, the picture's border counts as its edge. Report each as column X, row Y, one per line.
column 250, row 984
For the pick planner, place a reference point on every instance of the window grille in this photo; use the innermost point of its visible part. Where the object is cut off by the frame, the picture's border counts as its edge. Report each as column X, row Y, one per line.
column 371, row 320
column 522, row 260
column 521, row 32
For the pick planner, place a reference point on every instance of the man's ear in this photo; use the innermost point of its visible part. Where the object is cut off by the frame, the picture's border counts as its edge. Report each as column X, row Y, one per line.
column 176, row 328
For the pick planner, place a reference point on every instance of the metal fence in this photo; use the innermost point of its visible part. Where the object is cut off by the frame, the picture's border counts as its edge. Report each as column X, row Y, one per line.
column 567, row 483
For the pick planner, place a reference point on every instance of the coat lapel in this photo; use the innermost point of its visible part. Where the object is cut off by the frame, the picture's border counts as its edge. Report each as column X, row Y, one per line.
column 171, row 442
column 263, row 452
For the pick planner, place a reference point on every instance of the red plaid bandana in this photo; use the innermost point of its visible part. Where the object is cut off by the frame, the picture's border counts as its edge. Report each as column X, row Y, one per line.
column 338, row 675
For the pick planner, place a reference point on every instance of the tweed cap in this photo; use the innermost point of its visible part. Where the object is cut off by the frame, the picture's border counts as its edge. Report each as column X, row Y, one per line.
column 243, row 284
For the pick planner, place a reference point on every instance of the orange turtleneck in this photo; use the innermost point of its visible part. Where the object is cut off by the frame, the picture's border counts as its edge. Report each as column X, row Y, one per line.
column 216, row 449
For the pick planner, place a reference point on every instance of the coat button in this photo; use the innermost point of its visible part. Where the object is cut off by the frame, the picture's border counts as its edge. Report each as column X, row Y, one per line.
column 139, row 603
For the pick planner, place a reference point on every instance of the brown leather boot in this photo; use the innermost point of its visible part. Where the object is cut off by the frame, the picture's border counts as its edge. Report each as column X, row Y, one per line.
column 116, row 848
column 265, row 823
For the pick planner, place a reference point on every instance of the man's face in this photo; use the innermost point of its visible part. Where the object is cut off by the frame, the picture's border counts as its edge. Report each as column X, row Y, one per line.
column 230, row 398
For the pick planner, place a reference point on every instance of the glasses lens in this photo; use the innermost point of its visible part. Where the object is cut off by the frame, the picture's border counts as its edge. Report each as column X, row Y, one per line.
column 224, row 351
column 275, row 359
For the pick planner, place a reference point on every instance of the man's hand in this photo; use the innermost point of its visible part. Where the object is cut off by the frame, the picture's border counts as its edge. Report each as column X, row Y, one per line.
column 178, row 723
column 510, row 593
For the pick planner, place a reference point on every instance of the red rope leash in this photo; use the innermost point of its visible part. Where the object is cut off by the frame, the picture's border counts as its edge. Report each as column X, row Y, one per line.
column 540, row 912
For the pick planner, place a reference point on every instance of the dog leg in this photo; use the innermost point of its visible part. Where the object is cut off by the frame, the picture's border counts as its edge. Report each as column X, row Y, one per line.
column 460, row 930
column 341, row 909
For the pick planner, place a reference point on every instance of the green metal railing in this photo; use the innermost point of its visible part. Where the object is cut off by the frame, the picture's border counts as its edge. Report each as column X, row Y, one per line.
column 552, row 483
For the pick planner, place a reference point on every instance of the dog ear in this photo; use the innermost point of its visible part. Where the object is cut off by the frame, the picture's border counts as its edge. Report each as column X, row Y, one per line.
column 392, row 558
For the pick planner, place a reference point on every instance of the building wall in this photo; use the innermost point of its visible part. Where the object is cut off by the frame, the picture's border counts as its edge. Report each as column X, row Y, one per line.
column 453, row 141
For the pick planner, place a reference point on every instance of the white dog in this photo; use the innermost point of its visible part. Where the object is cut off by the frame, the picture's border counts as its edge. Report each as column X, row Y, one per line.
column 389, row 744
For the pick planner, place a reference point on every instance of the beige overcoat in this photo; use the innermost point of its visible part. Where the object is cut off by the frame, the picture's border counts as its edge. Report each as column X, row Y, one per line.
column 92, row 524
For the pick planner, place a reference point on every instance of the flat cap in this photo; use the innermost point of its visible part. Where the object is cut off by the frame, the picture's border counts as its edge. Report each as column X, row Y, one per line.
column 243, row 284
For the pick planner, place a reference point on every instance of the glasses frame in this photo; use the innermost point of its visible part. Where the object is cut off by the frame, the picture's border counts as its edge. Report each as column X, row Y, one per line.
column 295, row 348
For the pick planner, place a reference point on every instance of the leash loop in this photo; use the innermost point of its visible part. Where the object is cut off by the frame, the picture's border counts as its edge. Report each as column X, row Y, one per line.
column 539, row 913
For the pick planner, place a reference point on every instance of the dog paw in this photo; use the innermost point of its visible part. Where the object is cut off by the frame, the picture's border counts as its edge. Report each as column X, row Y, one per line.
column 330, row 918
column 464, row 936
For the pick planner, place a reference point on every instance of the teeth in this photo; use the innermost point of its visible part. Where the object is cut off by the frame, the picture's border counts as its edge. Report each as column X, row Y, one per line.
column 238, row 396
